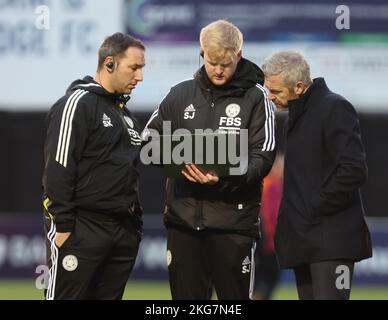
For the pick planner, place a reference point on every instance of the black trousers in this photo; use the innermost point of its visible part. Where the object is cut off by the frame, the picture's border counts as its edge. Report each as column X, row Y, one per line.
column 95, row 261
column 326, row 280
column 200, row 261
column 267, row 275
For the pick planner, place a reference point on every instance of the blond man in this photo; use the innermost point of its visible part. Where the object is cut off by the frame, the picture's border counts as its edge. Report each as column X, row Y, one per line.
column 212, row 221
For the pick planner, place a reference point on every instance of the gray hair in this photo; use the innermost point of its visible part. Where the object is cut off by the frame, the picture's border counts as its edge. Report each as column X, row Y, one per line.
column 290, row 65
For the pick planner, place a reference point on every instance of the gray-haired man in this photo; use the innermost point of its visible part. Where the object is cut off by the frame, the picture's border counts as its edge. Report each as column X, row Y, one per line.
column 321, row 230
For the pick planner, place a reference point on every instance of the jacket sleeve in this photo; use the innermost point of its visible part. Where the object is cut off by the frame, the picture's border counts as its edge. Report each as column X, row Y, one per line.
column 343, row 142
column 157, row 125
column 67, row 132
column 162, row 113
column 261, row 147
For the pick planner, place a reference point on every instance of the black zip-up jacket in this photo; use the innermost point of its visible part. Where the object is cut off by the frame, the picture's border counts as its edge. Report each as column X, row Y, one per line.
column 321, row 216
column 91, row 151
column 231, row 205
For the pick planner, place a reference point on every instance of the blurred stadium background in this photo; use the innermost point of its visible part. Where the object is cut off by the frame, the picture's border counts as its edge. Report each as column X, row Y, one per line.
column 42, row 49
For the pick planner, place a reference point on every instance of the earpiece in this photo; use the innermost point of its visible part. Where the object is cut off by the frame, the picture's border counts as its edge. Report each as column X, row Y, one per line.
column 110, row 66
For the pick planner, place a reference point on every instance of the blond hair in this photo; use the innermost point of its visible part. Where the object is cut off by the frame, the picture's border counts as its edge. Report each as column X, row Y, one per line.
column 221, row 38
column 290, row 65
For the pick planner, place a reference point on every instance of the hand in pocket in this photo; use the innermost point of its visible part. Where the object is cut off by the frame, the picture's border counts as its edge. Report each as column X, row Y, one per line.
column 61, row 237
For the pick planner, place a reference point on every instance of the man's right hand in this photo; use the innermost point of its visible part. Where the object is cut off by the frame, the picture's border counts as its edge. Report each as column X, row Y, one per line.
column 61, row 237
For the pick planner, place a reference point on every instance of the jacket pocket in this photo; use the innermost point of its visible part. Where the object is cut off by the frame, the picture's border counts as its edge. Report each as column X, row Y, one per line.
column 315, row 204
column 84, row 184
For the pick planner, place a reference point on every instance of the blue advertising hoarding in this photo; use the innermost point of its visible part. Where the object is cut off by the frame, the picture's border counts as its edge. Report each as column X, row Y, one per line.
column 22, row 250
column 279, row 20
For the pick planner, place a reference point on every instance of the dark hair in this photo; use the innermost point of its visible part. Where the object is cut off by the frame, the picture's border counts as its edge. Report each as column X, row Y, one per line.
column 115, row 45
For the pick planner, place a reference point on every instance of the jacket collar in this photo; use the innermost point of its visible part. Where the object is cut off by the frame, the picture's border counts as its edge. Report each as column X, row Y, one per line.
column 297, row 107
column 89, row 84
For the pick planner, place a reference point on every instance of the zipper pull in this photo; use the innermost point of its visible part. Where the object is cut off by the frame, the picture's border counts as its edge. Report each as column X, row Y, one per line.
column 212, row 105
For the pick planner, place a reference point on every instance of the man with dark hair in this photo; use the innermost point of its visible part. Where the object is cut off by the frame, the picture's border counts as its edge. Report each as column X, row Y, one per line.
column 116, row 45
column 91, row 204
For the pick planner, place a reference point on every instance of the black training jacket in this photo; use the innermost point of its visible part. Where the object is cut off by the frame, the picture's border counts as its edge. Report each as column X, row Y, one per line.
column 231, row 205
column 91, row 151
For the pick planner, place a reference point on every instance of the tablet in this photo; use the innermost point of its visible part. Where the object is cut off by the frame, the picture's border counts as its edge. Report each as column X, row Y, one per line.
column 224, row 154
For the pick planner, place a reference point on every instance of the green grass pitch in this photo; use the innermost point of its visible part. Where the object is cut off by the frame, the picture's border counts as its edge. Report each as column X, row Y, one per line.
column 144, row 290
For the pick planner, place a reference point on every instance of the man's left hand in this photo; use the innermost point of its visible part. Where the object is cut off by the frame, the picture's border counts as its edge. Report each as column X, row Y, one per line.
column 193, row 174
